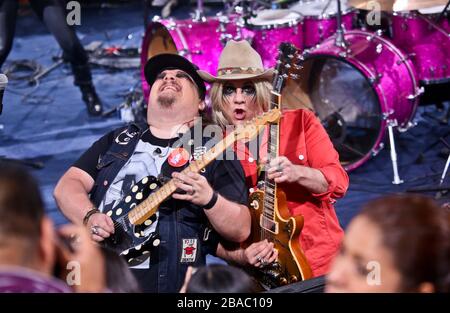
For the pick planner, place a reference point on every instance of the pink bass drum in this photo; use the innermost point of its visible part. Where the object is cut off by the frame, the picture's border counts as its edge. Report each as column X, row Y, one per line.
column 320, row 20
column 426, row 43
column 355, row 91
column 201, row 42
column 272, row 27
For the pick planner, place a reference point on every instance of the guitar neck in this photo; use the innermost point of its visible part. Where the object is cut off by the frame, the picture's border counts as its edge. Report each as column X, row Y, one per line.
column 150, row 205
column 270, row 186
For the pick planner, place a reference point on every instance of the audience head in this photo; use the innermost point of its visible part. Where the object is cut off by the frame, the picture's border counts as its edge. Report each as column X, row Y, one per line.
column 26, row 235
column 217, row 278
column 119, row 277
column 396, row 244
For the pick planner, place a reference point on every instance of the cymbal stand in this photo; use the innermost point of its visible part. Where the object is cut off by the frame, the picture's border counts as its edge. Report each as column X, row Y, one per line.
column 340, row 40
column 442, row 13
column 199, row 15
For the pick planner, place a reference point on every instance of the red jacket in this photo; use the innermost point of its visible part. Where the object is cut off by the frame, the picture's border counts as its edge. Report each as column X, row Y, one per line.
column 305, row 142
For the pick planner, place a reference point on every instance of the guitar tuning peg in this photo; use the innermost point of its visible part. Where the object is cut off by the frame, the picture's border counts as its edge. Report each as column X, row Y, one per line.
column 288, row 66
column 295, row 76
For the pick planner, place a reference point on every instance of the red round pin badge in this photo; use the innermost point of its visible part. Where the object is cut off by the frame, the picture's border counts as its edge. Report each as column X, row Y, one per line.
column 178, row 157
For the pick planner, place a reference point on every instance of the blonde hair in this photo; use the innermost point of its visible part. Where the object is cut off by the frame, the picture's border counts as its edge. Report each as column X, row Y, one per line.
column 218, row 100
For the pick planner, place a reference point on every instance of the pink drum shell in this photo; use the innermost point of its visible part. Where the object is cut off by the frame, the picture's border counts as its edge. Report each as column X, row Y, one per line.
column 397, row 83
column 428, row 47
column 267, row 41
column 316, row 29
column 201, row 38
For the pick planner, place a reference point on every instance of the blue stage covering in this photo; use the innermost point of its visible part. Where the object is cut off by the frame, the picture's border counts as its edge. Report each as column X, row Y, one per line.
column 49, row 123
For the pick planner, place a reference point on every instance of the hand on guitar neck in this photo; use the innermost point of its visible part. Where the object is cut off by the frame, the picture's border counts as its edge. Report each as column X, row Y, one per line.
column 196, row 187
column 282, row 170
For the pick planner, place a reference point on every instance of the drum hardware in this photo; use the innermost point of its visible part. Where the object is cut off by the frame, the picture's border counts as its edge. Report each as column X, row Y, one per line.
column 133, row 108
column 374, row 35
column 378, row 149
column 379, row 48
column 439, row 17
column 419, row 91
column 407, row 127
column 340, row 39
column 376, row 78
column 447, row 164
column 391, row 123
column 198, row 15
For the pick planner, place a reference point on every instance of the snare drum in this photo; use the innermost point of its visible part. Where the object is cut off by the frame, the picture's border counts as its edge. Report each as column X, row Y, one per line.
column 320, row 21
column 271, row 27
column 426, row 43
column 354, row 92
column 200, row 42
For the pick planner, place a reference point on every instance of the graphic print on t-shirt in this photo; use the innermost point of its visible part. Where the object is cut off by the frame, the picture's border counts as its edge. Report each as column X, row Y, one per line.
column 141, row 164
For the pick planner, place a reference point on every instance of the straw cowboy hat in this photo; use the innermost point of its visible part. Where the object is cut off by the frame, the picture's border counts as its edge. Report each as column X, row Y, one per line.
column 238, row 60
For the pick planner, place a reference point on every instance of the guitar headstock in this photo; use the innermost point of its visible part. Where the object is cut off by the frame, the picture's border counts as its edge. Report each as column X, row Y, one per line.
column 288, row 64
column 251, row 128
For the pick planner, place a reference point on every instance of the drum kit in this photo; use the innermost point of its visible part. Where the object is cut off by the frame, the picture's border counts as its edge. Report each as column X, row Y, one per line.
column 361, row 79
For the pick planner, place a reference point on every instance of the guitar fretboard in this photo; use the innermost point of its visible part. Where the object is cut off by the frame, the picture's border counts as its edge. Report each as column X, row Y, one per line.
column 270, row 187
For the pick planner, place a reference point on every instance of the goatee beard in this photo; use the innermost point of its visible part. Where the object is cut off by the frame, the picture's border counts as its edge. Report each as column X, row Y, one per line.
column 166, row 101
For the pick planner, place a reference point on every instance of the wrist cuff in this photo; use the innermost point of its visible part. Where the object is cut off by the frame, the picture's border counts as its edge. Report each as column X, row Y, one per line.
column 91, row 212
column 212, row 202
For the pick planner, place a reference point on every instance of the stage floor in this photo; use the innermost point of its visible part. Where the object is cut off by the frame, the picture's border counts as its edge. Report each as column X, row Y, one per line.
column 49, row 123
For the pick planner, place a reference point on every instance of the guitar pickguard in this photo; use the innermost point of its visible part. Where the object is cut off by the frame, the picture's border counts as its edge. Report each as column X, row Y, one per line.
column 133, row 242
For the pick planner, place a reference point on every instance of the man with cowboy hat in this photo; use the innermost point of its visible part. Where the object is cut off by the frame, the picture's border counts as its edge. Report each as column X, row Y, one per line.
column 307, row 168
column 105, row 173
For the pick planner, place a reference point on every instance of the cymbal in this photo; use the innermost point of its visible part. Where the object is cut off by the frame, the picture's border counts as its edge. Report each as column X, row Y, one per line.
column 395, row 5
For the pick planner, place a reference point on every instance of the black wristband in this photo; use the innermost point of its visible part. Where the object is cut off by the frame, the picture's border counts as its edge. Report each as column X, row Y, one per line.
column 89, row 214
column 212, row 202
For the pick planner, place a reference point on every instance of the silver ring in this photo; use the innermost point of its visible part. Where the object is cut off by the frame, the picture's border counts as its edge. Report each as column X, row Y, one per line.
column 94, row 229
column 258, row 258
column 192, row 191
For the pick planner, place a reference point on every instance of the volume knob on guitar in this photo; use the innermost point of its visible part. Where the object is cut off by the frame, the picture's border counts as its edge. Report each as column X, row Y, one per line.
column 282, row 281
column 293, row 279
